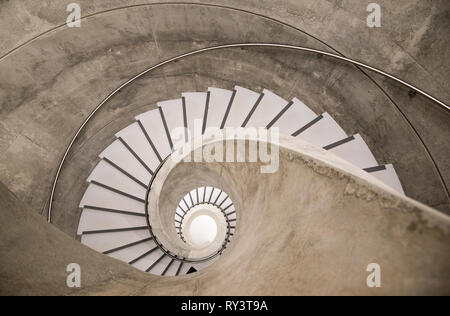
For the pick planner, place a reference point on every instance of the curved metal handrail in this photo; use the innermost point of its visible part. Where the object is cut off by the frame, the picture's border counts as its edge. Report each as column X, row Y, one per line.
column 160, row 245
column 238, row 45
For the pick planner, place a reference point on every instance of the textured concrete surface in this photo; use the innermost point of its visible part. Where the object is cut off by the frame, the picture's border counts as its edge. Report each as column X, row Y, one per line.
column 44, row 100
column 332, row 222
column 34, row 255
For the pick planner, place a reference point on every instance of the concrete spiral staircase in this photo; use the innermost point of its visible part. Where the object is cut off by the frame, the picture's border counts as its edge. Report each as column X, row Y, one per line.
column 113, row 219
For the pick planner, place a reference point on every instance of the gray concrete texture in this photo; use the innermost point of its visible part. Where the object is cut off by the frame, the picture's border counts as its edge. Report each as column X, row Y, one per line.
column 34, row 255
column 332, row 221
column 51, row 83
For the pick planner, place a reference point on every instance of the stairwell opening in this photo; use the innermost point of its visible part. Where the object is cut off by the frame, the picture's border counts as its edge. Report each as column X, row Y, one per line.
column 205, row 219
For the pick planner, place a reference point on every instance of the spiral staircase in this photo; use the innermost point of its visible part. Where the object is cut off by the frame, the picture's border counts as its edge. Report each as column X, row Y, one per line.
column 113, row 219
column 88, row 148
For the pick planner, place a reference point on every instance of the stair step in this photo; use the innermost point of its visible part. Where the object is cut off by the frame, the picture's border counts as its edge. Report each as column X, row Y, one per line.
column 113, row 217
column 129, row 253
column 184, row 268
column 388, row 175
column 180, row 265
column 194, row 196
column 135, row 138
column 203, row 194
column 118, row 154
column 107, row 241
column 92, row 220
column 355, row 151
column 107, row 174
column 243, row 102
column 101, row 197
column 153, row 125
column 195, row 103
column 219, row 100
column 174, row 117
column 142, row 260
column 209, row 193
column 151, row 256
column 321, row 132
column 159, row 266
column 269, row 107
column 295, row 115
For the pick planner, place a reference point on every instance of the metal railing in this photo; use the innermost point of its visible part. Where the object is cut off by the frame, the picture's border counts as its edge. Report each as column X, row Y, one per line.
column 219, row 47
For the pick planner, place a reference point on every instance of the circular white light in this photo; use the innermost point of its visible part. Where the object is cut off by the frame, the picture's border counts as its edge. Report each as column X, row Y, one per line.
column 203, row 230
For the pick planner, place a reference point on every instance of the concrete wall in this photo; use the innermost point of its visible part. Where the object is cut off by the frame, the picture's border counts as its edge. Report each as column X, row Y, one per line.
column 331, row 222
column 51, row 83
column 34, row 255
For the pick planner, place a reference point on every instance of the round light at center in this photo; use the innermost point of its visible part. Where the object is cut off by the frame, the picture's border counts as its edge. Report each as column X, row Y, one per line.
column 203, row 230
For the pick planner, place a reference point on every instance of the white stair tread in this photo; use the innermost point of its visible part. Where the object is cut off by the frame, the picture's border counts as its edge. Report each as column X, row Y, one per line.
column 110, row 176
column 325, row 132
column 269, row 107
column 144, row 263
column 243, row 103
column 389, row 177
column 154, row 126
column 188, row 201
column 224, row 200
column 100, row 197
column 161, row 266
column 215, row 195
column 122, row 157
column 201, row 193
column 98, row 220
column 131, row 253
column 218, row 103
column 180, row 209
column 173, row 268
column 208, row 193
column 136, row 139
column 173, row 113
column 230, row 210
column 297, row 116
column 356, row 152
column 185, row 268
column 178, row 214
column 108, row 241
column 222, row 196
column 195, row 111
column 194, row 196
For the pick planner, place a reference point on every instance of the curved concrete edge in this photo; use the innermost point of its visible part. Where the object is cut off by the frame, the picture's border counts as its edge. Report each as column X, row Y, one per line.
column 34, row 256
column 292, row 254
column 318, row 237
column 40, row 135
column 364, row 185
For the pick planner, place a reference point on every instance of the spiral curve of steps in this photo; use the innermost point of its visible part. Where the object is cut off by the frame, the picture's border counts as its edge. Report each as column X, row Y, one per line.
column 113, row 219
